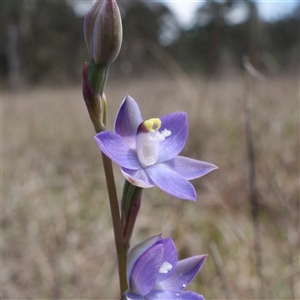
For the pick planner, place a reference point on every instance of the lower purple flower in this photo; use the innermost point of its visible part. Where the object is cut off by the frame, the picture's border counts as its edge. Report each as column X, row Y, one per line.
column 154, row 273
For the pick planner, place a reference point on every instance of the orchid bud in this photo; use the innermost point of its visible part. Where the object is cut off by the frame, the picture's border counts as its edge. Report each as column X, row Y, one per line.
column 95, row 106
column 103, row 32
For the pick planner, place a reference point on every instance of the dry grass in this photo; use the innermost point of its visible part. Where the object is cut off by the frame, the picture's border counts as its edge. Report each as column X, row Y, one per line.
column 57, row 241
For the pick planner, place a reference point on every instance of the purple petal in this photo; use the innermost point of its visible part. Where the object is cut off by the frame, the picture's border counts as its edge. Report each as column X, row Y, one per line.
column 190, row 168
column 171, row 182
column 173, row 295
column 127, row 121
column 113, row 146
column 138, row 177
column 145, row 270
column 185, row 271
column 135, row 253
column 173, row 144
column 169, row 260
column 130, row 296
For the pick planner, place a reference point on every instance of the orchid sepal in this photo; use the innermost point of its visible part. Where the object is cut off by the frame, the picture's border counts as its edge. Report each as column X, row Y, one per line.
column 147, row 151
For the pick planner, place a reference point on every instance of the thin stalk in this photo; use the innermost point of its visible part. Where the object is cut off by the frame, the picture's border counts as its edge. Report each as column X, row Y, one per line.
column 130, row 206
column 131, row 194
column 253, row 186
column 220, row 269
column 97, row 77
column 116, row 220
column 130, row 221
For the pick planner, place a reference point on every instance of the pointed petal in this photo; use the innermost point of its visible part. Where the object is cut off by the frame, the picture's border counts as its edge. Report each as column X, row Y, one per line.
column 144, row 273
column 135, row 253
column 171, row 182
column 185, row 271
column 128, row 119
column 173, row 144
column 113, row 146
column 190, row 168
column 174, row 295
column 138, row 178
column 169, row 260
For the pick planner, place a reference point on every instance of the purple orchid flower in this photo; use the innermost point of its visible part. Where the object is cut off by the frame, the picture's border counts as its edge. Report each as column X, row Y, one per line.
column 153, row 271
column 147, row 151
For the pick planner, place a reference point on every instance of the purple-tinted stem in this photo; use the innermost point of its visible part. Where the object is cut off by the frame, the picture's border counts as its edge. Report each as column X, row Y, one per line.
column 113, row 201
column 121, row 247
column 130, row 221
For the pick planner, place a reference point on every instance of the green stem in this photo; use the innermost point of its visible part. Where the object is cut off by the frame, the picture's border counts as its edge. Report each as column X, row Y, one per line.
column 130, row 206
column 97, row 76
column 131, row 194
column 130, row 221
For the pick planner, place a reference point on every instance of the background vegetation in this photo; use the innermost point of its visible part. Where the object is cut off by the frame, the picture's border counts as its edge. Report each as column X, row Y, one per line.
column 57, row 241
column 42, row 41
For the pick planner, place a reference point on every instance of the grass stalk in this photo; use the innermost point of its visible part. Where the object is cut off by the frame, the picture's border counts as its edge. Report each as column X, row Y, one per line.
column 220, row 269
column 253, row 197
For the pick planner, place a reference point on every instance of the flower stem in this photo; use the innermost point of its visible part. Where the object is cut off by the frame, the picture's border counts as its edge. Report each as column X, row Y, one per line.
column 116, row 220
column 130, row 221
column 131, row 194
column 97, row 78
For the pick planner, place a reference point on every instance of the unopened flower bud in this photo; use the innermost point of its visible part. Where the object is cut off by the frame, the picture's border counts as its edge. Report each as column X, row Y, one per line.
column 103, row 32
column 95, row 106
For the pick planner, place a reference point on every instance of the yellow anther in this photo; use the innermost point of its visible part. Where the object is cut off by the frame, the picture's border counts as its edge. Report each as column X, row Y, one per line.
column 153, row 124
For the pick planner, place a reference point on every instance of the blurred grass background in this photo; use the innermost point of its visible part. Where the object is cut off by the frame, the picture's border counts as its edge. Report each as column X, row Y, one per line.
column 57, row 237
column 57, row 241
